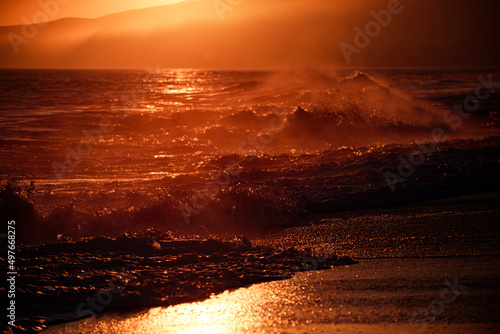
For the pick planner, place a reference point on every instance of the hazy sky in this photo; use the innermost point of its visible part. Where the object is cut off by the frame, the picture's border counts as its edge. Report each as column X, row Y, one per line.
column 253, row 34
column 12, row 11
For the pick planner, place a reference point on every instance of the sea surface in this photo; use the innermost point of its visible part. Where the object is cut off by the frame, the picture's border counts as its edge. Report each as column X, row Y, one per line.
column 222, row 150
column 118, row 170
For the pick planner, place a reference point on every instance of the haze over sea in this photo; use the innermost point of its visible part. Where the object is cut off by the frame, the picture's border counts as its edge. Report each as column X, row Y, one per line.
column 310, row 141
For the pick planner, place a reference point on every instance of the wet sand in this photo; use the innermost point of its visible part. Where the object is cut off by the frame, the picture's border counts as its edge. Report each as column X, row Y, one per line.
column 462, row 226
column 424, row 268
column 460, row 295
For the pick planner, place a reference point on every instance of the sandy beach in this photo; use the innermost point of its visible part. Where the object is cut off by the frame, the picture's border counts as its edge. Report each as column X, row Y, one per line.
column 460, row 295
column 447, row 289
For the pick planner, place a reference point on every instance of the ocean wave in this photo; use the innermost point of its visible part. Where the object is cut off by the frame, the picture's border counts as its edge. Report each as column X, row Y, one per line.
column 240, row 193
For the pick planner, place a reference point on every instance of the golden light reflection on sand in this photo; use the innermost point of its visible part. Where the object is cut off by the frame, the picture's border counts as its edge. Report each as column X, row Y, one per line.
column 374, row 296
column 230, row 312
column 256, row 309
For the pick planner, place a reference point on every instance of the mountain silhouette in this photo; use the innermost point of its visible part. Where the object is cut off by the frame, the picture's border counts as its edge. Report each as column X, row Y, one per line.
column 256, row 34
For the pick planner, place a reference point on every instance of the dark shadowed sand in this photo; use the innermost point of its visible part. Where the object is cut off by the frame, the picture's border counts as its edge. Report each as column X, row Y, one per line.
column 424, row 268
column 463, row 226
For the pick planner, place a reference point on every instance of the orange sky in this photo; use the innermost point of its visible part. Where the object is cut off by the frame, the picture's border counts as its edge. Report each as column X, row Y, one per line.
column 12, row 11
column 252, row 34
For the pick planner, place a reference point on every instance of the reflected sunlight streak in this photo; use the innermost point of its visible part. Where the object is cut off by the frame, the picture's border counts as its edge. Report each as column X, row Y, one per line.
column 256, row 309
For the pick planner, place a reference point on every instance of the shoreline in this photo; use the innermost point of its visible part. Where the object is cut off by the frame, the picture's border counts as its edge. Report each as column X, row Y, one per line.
column 461, row 255
column 374, row 296
column 459, row 226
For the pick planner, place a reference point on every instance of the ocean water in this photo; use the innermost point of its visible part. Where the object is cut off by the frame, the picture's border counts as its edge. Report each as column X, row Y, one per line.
column 102, row 152
column 90, row 160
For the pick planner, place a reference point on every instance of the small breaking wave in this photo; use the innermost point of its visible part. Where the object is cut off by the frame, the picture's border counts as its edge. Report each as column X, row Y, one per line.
column 237, row 194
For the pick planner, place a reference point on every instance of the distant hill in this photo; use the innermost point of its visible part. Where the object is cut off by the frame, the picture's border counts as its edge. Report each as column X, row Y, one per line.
column 256, row 34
